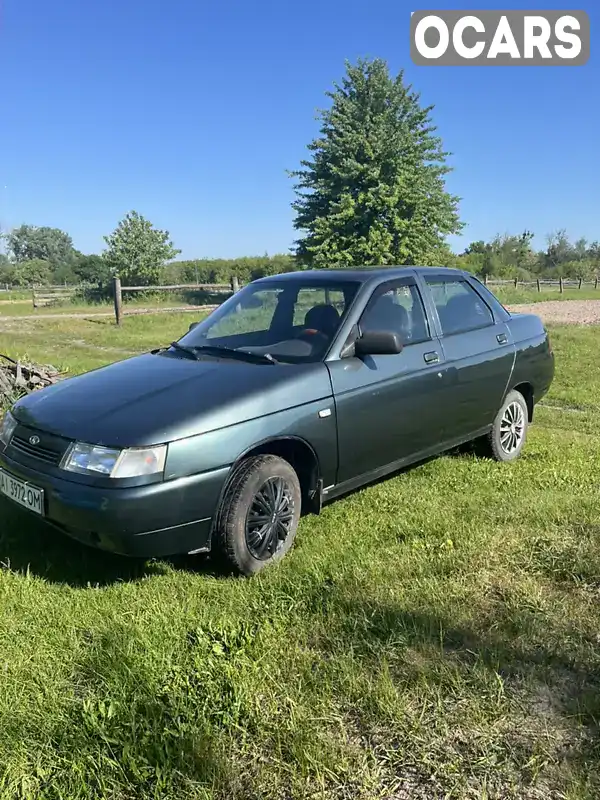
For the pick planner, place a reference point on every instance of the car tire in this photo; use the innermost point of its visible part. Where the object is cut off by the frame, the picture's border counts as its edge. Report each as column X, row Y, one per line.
column 259, row 514
column 507, row 437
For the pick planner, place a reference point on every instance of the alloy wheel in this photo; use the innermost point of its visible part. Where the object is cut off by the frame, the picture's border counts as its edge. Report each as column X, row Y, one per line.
column 512, row 428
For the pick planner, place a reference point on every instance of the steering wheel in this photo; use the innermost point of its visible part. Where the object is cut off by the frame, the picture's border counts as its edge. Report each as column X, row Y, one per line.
column 313, row 336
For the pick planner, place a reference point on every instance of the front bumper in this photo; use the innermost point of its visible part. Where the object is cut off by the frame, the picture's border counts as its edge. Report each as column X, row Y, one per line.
column 159, row 519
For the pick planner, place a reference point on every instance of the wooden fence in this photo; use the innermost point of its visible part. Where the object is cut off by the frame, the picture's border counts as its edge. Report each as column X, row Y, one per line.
column 52, row 295
column 234, row 286
column 562, row 283
column 213, row 288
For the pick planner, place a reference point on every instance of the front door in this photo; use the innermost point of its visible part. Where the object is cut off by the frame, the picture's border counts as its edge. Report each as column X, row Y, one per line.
column 389, row 407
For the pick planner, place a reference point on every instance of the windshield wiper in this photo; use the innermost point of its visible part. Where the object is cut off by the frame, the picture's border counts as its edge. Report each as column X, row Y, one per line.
column 190, row 351
column 230, row 352
column 226, row 352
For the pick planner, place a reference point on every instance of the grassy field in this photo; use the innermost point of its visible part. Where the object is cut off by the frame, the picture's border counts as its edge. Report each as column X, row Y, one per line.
column 18, row 308
column 80, row 344
column 432, row 636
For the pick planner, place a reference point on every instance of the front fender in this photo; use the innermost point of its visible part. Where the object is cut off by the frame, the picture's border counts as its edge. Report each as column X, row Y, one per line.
column 224, row 447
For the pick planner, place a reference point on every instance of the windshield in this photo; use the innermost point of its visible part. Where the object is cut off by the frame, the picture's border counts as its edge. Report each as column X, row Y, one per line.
column 292, row 321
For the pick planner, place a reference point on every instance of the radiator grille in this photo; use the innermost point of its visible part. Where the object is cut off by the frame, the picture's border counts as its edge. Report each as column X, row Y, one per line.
column 50, row 452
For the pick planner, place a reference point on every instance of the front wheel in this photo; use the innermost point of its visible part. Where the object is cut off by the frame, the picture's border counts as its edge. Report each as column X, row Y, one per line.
column 259, row 515
column 507, row 437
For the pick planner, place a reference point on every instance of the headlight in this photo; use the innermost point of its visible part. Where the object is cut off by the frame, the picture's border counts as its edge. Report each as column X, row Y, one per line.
column 7, row 428
column 90, row 459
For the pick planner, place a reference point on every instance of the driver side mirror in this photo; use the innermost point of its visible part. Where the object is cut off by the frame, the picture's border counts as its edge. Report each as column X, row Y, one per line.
column 378, row 343
column 192, row 326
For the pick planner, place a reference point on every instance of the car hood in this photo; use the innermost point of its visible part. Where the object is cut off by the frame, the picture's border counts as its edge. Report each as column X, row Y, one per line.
column 160, row 397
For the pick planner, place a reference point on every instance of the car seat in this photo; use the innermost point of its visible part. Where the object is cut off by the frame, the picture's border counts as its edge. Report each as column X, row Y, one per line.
column 386, row 315
column 323, row 318
column 460, row 312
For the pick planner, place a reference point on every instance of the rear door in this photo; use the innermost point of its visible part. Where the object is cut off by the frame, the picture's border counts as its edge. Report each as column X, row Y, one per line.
column 389, row 406
column 478, row 352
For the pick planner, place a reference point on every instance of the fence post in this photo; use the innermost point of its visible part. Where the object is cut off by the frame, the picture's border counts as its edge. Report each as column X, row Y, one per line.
column 560, row 284
column 235, row 284
column 596, row 282
column 538, row 285
column 118, row 297
column 485, row 279
column 516, row 281
column 33, row 297
column 580, row 282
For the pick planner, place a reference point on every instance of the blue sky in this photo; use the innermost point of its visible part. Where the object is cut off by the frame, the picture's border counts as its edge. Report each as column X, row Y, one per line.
column 190, row 112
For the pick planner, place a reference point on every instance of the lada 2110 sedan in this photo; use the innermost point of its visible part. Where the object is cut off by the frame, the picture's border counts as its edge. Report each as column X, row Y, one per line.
column 295, row 390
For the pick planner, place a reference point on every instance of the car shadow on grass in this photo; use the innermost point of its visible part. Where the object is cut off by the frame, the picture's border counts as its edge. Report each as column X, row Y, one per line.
column 538, row 682
column 30, row 546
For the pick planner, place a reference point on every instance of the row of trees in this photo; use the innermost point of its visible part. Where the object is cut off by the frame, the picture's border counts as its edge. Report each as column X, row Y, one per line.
column 372, row 192
column 505, row 257
column 137, row 251
column 143, row 255
column 41, row 255
column 514, row 257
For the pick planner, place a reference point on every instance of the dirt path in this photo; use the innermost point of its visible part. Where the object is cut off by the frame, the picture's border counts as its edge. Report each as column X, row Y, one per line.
column 573, row 312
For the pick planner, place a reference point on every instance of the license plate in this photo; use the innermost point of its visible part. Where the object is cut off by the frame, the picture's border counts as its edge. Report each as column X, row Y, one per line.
column 23, row 493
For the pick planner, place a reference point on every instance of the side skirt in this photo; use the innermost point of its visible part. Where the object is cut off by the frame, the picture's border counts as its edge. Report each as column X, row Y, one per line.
column 369, row 477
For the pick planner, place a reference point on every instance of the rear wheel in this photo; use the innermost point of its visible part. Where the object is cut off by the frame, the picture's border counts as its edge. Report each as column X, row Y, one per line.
column 507, row 437
column 259, row 515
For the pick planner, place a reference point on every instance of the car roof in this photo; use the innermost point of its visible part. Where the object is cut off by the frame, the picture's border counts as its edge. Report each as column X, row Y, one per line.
column 357, row 274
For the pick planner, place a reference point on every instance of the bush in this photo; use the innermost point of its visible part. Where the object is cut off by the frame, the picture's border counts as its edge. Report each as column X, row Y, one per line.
column 220, row 270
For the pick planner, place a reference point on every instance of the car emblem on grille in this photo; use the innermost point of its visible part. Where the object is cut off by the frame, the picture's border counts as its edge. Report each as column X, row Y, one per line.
column 34, row 440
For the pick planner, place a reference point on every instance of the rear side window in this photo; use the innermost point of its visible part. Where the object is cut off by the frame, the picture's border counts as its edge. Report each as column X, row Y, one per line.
column 491, row 297
column 459, row 307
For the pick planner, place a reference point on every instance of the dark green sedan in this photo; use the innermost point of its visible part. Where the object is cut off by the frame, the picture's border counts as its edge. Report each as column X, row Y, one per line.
column 298, row 388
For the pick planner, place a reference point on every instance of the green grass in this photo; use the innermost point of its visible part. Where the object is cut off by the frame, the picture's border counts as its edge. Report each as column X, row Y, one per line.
column 81, row 344
column 16, row 294
column 24, row 307
column 434, row 635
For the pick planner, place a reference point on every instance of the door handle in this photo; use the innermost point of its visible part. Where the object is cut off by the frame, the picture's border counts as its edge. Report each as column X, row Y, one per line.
column 431, row 358
column 502, row 338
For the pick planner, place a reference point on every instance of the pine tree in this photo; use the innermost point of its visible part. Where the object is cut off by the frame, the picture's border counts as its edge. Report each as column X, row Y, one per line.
column 373, row 191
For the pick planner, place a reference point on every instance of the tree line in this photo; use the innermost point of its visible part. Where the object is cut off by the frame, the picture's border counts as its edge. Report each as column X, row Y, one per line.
column 139, row 253
column 38, row 256
column 371, row 192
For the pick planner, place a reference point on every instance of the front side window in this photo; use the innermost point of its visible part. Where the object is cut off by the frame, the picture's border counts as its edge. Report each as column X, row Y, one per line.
column 293, row 321
column 459, row 306
column 397, row 308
